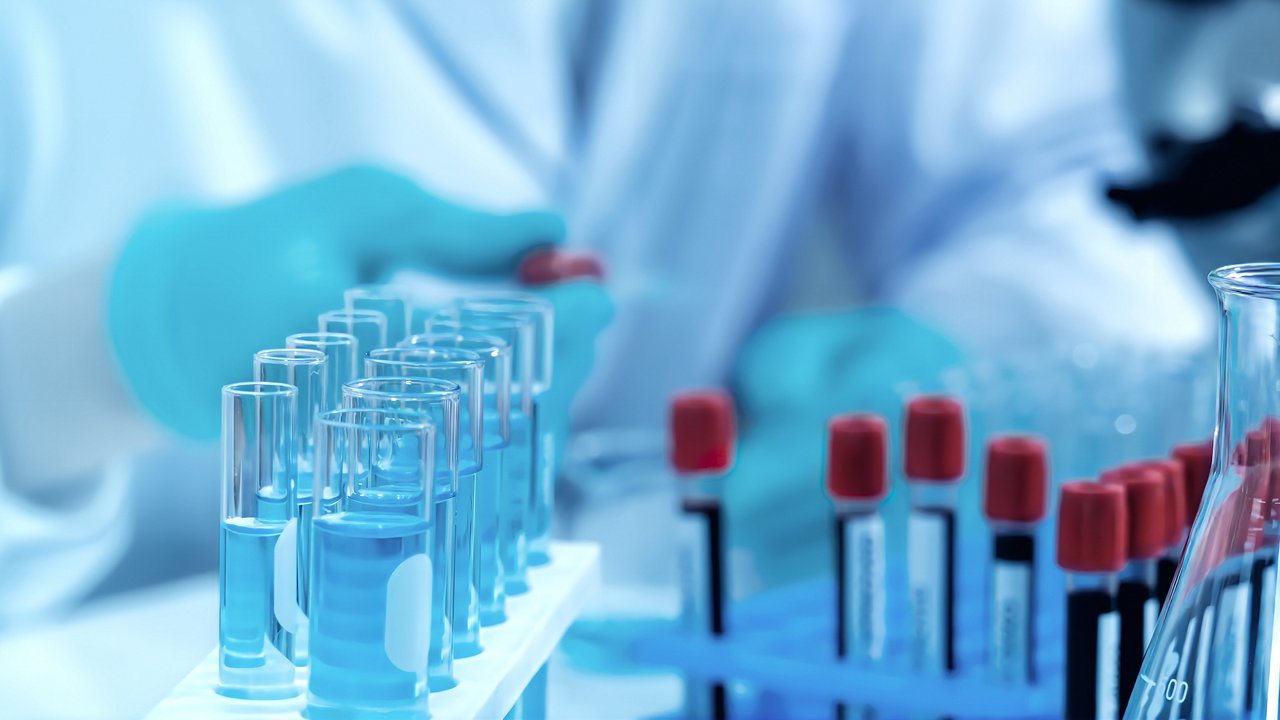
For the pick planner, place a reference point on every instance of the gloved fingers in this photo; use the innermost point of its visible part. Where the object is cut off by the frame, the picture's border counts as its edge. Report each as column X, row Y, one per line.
column 386, row 220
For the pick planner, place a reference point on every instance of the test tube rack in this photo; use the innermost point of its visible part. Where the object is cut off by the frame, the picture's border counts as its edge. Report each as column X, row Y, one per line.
column 781, row 649
column 489, row 684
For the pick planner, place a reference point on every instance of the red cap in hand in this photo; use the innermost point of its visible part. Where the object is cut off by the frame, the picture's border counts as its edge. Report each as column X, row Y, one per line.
column 934, row 445
column 1146, row 500
column 703, row 431
column 1197, row 463
column 1093, row 527
column 1016, row 478
column 857, row 448
column 548, row 266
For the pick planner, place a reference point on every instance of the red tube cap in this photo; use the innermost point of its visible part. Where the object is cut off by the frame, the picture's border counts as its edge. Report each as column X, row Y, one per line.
column 703, row 431
column 1015, row 482
column 1175, row 494
column 1146, row 500
column 1197, row 462
column 552, row 265
column 1093, row 527
column 935, row 439
column 857, row 448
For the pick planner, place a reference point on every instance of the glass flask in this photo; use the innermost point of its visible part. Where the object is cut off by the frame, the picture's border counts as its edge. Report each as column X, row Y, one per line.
column 1215, row 652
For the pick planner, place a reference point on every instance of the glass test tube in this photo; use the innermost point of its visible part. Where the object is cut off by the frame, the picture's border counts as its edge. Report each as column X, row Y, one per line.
column 490, row 500
column 368, row 327
column 541, row 316
column 519, row 459
column 256, row 624
column 703, row 435
column 386, row 299
column 372, row 591
column 340, row 361
column 466, row 369
column 1014, row 504
column 306, row 371
column 934, row 449
column 438, row 401
column 857, row 450
column 1092, row 534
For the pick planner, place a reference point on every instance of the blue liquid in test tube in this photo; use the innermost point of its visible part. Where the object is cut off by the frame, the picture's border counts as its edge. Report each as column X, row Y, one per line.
column 436, row 400
column 258, row 612
column 495, row 434
column 372, row 568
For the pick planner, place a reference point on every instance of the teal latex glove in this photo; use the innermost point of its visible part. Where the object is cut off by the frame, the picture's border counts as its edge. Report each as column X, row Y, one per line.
column 791, row 377
column 197, row 290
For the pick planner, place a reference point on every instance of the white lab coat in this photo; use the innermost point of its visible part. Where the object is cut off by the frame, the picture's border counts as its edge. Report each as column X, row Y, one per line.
column 694, row 156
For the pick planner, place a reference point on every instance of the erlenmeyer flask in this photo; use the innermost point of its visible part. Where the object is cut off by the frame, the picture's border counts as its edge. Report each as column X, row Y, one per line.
column 1215, row 652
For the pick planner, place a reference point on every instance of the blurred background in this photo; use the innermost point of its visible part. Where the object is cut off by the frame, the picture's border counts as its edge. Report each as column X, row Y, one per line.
column 824, row 206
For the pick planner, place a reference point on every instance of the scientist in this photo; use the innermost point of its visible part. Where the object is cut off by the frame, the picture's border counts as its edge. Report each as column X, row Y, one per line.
column 183, row 183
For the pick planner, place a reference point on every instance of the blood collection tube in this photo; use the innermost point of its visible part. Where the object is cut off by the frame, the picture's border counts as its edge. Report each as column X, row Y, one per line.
column 934, row 451
column 1197, row 463
column 1175, row 480
column 386, row 299
column 1092, row 534
column 256, row 609
column 436, row 400
column 368, row 327
column 1146, row 502
column 702, row 450
column 857, row 450
column 306, row 370
column 1014, row 504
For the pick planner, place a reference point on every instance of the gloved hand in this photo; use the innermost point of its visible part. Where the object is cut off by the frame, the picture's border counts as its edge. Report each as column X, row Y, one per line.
column 793, row 375
column 197, row 290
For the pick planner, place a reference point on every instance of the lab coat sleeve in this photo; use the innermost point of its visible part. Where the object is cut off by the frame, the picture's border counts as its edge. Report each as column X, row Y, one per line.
column 66, row 411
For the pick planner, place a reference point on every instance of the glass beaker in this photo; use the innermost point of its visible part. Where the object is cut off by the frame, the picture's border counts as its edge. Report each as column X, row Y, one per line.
column 1215, row 652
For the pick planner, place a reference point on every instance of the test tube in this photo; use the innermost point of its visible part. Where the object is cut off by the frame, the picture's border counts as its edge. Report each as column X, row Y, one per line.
column 257, row 615
column 540, row 314
column 519, row 459
column 1197, row 462
column 1014, row 504
column 857, row 448
column 305, row 370
column 491, row 506
column 437, row 400
column 1146, row 503
column 934, row 449
column 702, row 450
column 386, row 299
column 372, row 596
column 466, row 369
column 340, row 361
column 1175, row 524
column 368, row 327
column 1092, row 534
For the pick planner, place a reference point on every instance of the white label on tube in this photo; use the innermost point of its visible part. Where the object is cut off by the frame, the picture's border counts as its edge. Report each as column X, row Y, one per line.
column 1228, row 676
column 1011, row 608
column 695, row 572
column 1150, row 610
column 926, row 584
column 407, row 633
column 285, row 578
column 1202, row 662
column 1108, row 681
column 864, row 587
